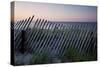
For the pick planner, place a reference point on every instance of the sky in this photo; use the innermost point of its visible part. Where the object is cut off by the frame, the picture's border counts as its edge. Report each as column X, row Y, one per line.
column 55, row 12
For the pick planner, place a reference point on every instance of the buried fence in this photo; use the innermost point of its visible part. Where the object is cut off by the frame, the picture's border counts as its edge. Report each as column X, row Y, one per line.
column 55, row 40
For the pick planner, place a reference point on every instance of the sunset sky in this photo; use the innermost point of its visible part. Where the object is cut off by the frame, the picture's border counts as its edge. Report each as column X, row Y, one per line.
column 55, row 12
